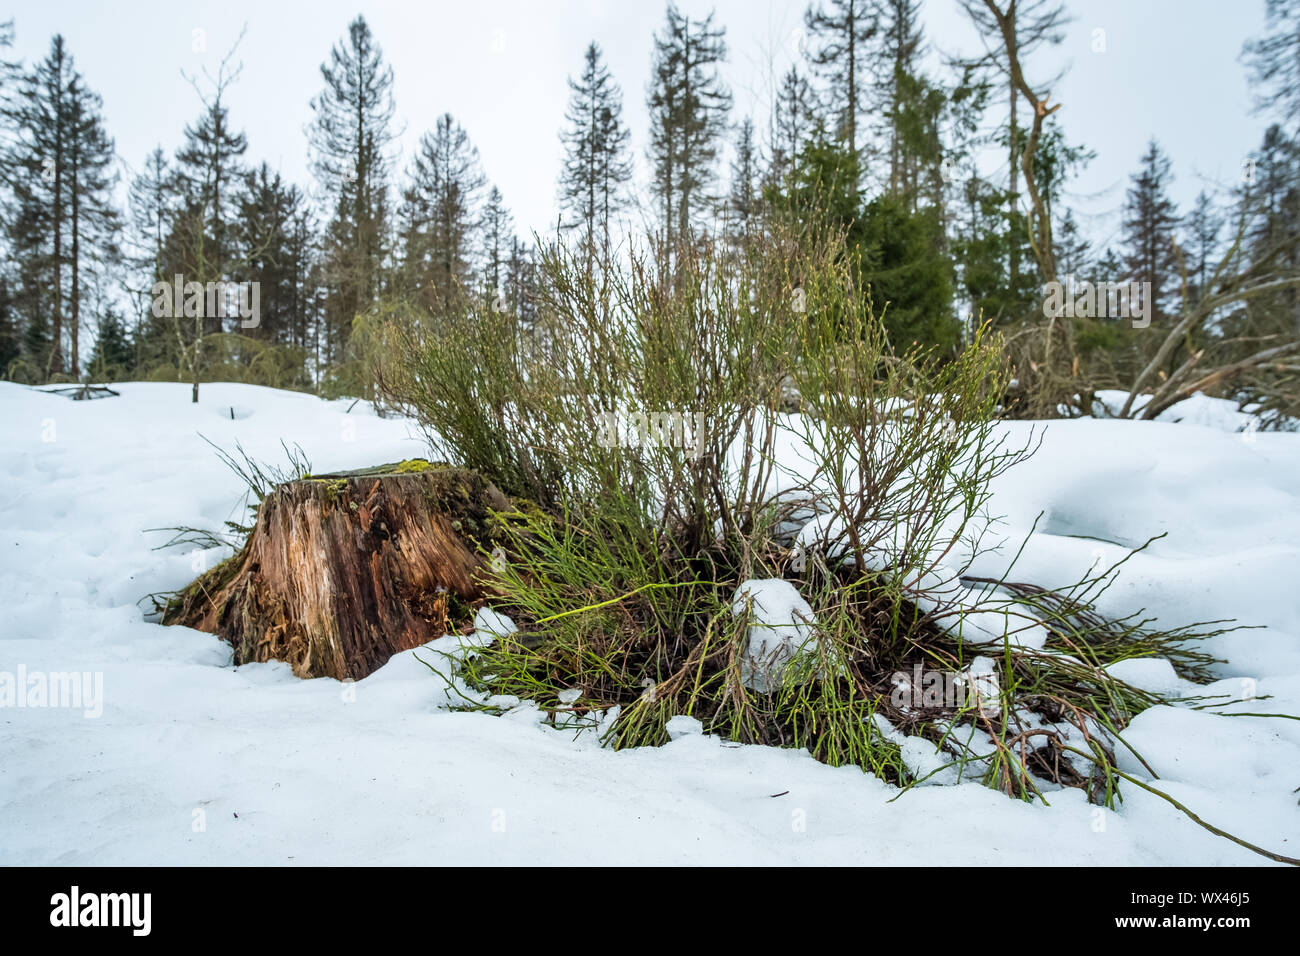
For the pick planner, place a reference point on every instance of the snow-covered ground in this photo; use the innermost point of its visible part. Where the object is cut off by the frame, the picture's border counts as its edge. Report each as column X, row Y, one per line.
column 184, row 759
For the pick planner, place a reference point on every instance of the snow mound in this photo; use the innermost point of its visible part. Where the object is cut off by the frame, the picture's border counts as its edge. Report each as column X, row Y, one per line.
column 781, row 628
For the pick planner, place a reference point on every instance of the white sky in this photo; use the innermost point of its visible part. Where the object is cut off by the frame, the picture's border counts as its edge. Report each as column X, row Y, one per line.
column 1171, row 70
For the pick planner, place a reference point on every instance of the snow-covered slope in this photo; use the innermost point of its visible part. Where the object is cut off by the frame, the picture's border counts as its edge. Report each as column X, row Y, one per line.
column 193, row 761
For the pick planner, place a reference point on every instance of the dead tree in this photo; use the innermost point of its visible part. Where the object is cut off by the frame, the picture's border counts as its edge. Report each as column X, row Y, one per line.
column 1230, row 285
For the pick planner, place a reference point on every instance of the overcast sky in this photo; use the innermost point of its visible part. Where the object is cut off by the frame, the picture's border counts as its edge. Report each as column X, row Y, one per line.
column 1170, row 69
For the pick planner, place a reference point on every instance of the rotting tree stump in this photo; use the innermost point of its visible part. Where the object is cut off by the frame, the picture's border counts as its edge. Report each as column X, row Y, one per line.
column 343, row 571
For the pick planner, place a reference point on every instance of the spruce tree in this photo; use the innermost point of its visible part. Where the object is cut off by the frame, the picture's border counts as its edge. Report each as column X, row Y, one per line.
column 152, row 200
column 1274, row 61
column 209, row 173
column 305, row 265
column 1203, row 226
column 688, row 105
column 201, row 241
column 1271, row 207
column 93, row 218
column 441, row 213
column 1266, row 192
column 1072, row 247
column 521, row 280
column 1150, row 221
column 350, row 132
column 498, row 241
column 597, row 167
column 896, row 251
column 899, row 44
column 744, row 200
column 269, row 209
column 40, row 113
column 842, row 32
column 793, row 115
column 61, row 219
column 113, row 357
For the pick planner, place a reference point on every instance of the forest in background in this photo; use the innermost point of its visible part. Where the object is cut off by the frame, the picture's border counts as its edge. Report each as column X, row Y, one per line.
column 860, row 138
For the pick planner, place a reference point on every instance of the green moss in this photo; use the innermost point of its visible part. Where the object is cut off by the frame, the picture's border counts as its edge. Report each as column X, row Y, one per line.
column 408, row 467
column 335, row 488
column 413, row 465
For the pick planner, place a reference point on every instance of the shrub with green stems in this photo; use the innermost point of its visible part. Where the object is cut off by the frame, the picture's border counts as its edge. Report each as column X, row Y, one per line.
column 622, row 562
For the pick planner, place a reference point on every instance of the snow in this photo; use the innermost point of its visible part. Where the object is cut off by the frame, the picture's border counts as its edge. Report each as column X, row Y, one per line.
column 1199, row 409
column 193, row 761
column 493, row 623
column 781, row 629
column 683, row 726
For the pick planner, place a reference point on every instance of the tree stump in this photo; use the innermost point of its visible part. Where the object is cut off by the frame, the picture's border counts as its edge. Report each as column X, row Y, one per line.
column 342, row 571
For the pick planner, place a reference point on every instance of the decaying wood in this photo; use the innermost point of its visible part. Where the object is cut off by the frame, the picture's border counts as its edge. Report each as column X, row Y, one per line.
column 342, row 571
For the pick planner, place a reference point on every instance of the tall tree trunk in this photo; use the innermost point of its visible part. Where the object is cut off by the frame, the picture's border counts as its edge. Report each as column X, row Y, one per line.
column 56, row 353
column 76, row 280
column 853, row 83
column 1013, row 268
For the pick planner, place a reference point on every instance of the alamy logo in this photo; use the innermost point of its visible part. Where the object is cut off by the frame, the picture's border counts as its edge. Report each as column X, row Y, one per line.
column 1098, row 300
column 646, row 429
column 213, row 300
column 75, row 908
column 950, row 690
column 65, row 689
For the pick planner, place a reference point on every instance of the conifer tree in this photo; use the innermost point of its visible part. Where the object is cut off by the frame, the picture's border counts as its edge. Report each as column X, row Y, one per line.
column 1072, row 247
column 441, row 211
column 688, row 105
column 521, row 281
column 350, row 133
column 498, row 241
column 39, row 112
column 93, row 218
column 792, row 120
column 269, row 210
column 1203, row 224
column 114, row 354
column 61, row 223
column 209, row 173
column 597, row 167
column 1274, row 61
column 841, row 33
column 899, row 44
column 201, row 241
column 1150, row 221
column 743, row 203
column 152, row 200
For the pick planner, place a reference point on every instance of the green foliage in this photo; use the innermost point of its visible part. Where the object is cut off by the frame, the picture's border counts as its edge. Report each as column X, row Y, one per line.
column 10, row 336
column 907, row 273
column 985, row 247
column 1095, row 335
column 892, row 245
column 231, row 357
column 114, row 356
column 627, row 580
